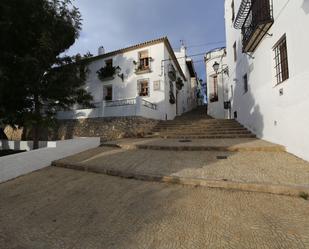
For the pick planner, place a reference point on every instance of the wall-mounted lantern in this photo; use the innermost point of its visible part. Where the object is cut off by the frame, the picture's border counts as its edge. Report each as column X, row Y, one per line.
column 216, row 66
column 119, row 74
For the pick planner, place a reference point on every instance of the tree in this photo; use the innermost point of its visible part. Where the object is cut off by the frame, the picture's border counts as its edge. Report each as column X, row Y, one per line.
column 36, row 80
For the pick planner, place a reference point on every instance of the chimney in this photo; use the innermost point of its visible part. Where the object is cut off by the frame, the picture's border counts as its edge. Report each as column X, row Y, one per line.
column 183, row 50
column 101, row 50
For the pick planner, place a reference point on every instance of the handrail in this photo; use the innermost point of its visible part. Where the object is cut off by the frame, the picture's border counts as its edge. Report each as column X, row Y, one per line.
column 149, row 104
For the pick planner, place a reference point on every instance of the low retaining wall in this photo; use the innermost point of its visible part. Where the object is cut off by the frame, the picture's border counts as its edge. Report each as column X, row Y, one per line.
column 23, row 163
column 25, row 145
column 106, row 128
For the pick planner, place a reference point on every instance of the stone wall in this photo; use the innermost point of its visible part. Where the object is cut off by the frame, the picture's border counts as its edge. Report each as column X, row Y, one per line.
column 12, row 134
column 106, row 128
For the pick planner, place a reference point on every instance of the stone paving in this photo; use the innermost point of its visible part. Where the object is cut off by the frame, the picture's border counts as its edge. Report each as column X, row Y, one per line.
column 257, row 167
column 58, row 208
column 235, row 144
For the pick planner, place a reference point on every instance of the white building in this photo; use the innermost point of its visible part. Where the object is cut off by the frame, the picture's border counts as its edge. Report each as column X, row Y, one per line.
column 142, row 80
column 267, row 48
column 217, row 83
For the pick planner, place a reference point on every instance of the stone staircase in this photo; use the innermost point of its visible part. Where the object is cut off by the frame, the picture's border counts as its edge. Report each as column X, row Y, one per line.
column 197, row 125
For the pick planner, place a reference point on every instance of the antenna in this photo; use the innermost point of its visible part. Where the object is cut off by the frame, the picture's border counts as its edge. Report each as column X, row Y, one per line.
column 182, row 42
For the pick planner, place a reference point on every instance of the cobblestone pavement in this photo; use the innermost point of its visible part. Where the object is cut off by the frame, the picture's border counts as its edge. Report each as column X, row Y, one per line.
column 233, row 143
column 58, row 208
column 258, row 167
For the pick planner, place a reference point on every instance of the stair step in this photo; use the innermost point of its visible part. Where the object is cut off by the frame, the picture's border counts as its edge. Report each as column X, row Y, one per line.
column 208, row 136
column 204, row 133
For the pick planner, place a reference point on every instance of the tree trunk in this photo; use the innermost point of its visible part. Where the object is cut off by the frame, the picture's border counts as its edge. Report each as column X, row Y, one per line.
column 36, row 125
column 2, row 134
column 35, row 137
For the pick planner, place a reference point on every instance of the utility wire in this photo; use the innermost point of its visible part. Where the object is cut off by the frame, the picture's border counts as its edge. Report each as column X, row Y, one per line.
column 203, row 44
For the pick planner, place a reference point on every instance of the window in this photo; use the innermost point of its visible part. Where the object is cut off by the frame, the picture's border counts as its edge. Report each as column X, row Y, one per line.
column 235, row 52
column 214, row 93
column 109, row 63
column 233, row 11
column 143, row 60
column 245, row 78
column 143, row 88
column 108, row 93
column 156, row 85
column 281, row 60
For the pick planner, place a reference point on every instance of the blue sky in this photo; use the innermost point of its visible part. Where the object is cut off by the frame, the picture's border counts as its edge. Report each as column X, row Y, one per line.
column 120, row 23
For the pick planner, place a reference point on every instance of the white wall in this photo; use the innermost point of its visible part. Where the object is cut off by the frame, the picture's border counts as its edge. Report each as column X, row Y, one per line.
column 128, row 88
column 16, row 165
column 184, row 95
column 24, row 145
column 280, row 119
column 216, row 109
column 136, row 108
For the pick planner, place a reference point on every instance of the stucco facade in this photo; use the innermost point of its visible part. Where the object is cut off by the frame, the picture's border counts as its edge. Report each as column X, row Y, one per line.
column 217, row 83
column 123, row 88
column 275, row 108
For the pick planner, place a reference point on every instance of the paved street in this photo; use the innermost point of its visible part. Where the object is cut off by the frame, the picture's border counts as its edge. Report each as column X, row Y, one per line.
column 254, row 166
column 66, row 209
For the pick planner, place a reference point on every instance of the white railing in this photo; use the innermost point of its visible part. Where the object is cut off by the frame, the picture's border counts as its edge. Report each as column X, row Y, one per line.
column 115, row 108
column 121, row 102
column 149, row 104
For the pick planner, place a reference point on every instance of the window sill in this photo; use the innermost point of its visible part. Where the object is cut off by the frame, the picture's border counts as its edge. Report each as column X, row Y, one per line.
column 143, row 71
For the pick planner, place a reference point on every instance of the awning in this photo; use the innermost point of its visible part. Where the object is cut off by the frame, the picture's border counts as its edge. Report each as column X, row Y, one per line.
column 242, row 14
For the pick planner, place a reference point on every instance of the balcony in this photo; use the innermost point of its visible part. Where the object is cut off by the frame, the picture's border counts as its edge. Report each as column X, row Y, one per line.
column 106, row 73
column 254, row 18
column 143, row 66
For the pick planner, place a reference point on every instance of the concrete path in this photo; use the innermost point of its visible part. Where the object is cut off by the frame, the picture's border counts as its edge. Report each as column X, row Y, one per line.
column 269, row 172
column 65, row 209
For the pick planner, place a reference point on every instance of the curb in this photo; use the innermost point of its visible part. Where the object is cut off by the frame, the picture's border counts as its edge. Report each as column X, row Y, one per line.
column 286, row 190
column 276, row 148
column 212, row 148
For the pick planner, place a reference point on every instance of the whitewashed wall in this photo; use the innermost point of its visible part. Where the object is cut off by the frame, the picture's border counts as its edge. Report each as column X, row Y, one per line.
column 138, row 108
column 280, row 119
column 128, row 88
column 16, row 165
column 184, row 95
column 24, row 145
column 216, row 109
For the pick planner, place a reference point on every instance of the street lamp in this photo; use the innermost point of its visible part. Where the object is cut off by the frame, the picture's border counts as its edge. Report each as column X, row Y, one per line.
column 118, row 72
column 216, row 66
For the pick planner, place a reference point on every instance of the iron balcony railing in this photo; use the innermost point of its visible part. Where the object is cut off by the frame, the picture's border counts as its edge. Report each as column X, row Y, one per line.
column 255, row 17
